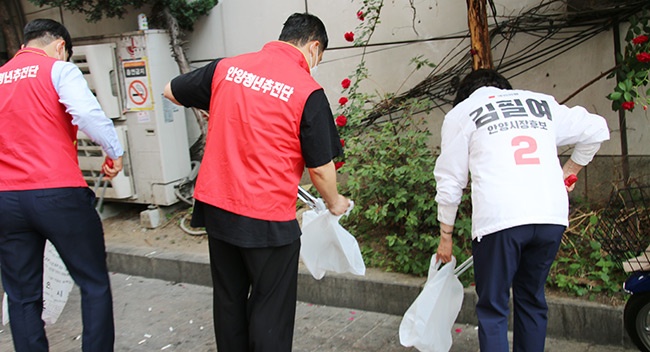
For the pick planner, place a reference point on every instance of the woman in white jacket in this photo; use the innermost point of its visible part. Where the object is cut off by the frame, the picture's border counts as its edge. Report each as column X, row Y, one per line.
column 507, row 140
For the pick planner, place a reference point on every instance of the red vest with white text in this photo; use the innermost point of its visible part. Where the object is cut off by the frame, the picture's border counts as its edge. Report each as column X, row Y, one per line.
column 253, row 161
column 37, row 139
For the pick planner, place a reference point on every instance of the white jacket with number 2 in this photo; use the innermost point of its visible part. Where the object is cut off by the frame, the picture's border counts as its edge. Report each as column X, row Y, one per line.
column 507, row 140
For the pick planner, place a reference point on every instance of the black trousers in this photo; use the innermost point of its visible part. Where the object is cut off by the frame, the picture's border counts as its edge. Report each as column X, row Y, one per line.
column 254, row 296
column 66, row 217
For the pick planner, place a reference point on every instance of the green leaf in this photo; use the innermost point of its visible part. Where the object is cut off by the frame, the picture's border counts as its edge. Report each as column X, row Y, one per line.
column 595, row 245
column 615, row 96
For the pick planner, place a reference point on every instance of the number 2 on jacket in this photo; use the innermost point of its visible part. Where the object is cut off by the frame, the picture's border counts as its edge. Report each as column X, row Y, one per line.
column 526, row 147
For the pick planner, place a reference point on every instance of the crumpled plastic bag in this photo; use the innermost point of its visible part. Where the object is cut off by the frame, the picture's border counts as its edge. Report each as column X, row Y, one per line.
column 428, row 322
column 327, row 246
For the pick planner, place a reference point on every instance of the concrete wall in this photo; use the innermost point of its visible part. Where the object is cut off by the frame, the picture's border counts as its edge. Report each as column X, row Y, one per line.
column 76, row 24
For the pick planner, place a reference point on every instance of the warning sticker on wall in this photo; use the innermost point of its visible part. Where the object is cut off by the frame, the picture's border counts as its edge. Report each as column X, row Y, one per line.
column 138, row 89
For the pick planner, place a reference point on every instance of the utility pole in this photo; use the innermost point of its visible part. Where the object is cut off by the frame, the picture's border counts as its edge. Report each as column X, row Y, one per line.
column 479, row 34
column 622, row 122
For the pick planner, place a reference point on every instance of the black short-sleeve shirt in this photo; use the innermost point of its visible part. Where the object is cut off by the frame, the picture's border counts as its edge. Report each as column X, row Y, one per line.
column 320, row 143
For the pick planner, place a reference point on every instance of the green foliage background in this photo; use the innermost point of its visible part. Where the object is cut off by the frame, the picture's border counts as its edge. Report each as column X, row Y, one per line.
column 185, row 12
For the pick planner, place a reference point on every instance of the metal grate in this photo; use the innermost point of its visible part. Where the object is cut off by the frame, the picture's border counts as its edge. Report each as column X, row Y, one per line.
column 624, row 228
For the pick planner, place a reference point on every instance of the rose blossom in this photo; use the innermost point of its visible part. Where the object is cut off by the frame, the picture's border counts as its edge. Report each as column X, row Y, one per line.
column 339, row 164
column 346, row 83
column 643, row 57
column 341, row 120
column 628, row 105
column 342, row 142
column 360, row 15
column 343, row 100
column 349, row 36
column 640, row 39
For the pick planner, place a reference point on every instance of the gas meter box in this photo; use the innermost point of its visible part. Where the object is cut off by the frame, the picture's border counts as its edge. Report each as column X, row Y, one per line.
column 127, row 73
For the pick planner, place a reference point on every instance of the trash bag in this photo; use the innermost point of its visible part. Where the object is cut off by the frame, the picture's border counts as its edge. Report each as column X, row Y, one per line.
column 428, row 322
column 327, row 246
column 57, row 285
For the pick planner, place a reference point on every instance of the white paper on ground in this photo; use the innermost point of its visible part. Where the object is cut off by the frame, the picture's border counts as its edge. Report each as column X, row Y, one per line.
column 57, row 285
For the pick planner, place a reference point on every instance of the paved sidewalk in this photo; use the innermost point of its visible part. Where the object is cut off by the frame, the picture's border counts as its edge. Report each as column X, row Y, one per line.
column 377, row 291
column 157, row 315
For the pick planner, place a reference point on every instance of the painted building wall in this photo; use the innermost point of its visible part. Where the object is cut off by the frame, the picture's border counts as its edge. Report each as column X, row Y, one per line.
column 239, row 26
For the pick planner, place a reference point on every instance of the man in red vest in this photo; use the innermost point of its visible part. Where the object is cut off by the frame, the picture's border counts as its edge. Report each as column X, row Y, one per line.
column 43, row 196
column 268, row 120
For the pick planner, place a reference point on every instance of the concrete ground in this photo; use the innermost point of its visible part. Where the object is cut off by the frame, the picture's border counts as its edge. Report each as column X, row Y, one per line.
column 157, row 315
column 162, row 302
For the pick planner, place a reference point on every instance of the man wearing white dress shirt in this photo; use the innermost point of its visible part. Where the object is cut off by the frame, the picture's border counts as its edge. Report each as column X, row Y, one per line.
column 44, row 100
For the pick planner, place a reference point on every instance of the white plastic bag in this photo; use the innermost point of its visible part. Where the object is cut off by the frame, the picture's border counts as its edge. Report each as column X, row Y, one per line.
column 57, row 285
column 428, row 322
column 327, row 246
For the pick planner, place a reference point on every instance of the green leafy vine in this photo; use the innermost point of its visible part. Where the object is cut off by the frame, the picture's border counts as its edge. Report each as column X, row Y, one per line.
column 633, row 73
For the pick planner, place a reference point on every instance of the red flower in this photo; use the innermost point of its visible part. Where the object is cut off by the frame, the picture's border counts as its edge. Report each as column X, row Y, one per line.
column 342, row 142
column 341, row 120
column 628, row 105
column 343, row 100
column 346, row 83
column 360, row 15
column 640, row 39
column 643, row 57
column 339, row 164
column 349, row 36
column 645, row 107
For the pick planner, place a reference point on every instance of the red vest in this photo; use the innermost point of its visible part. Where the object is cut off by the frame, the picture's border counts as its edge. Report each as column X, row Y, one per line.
column 253, row 161
column 37, row 139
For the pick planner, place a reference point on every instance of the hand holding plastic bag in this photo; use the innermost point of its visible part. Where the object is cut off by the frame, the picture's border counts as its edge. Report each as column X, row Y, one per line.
column 327, row 246
column 428, row 322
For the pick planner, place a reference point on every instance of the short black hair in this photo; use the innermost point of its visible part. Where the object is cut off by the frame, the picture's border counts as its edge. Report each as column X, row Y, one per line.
column 477, row 79
column 301, row 28
column 47, row 30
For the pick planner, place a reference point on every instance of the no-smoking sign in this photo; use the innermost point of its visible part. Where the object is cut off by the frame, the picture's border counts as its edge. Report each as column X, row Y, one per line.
column 138, row 92
column 137, row 86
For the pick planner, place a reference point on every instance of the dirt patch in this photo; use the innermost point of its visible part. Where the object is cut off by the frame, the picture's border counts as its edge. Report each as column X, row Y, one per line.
column 125, row 229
